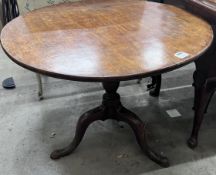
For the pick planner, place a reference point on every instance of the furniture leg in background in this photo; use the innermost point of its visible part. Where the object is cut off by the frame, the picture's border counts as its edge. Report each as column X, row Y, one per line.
column 40, row 87
column 203, row 94
column 205, row 74
column 10, row 11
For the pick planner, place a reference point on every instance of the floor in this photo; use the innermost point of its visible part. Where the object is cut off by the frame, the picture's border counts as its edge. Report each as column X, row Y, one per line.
column 30, row 129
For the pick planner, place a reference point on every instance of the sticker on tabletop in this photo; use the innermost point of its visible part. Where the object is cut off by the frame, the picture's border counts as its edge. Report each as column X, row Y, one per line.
column 181, row 55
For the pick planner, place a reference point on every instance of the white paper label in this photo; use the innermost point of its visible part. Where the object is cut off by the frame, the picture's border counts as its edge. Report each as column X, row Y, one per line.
column 181, row 55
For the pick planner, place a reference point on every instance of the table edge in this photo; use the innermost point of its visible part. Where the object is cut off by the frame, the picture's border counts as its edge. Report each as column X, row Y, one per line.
column 112, row 78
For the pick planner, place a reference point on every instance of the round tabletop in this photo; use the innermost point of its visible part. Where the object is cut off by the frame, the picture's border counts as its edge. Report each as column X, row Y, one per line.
column 105, row 41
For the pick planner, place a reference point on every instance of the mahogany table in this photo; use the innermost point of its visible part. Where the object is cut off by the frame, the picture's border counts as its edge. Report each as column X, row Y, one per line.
column 106, row 42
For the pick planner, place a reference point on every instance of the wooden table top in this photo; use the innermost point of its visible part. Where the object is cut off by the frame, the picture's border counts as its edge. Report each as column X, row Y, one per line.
column 105, row 41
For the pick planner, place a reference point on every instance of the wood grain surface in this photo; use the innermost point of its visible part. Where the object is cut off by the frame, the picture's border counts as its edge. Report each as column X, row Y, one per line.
column 105, row 41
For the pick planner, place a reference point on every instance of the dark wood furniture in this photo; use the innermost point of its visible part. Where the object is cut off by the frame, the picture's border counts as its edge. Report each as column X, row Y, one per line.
column 205, row 74
column 106, row 42
column 10, row 11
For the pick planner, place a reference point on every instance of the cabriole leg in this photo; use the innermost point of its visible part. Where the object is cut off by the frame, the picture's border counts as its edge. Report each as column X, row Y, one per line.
column 111, row 108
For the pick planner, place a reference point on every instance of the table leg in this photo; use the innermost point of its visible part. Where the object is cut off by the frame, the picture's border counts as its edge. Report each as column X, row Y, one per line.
column 111, row 108
column 139, row 130
column 84, row 121
column 40, row 86
column 202, row 96
column 155, row 86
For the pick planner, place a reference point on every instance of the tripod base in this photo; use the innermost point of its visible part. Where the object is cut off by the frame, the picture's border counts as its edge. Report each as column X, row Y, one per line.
column 111, row 108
